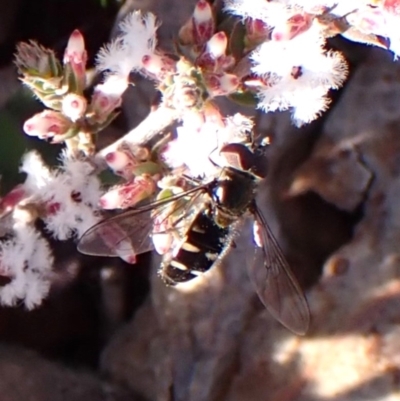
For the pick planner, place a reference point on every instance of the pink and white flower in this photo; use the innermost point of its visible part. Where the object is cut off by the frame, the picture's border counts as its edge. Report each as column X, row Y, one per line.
column 74, row 106
column 128, row 194
column 48, row 125
column 75, row 56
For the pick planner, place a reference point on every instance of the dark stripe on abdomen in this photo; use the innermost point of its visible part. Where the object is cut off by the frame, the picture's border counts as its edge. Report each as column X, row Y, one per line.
column 205, row 243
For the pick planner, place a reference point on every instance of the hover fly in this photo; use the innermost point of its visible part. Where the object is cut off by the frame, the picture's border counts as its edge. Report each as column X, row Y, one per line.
column 195, row 227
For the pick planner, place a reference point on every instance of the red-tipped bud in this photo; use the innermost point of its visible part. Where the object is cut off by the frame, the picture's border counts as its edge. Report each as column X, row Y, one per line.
column 216, row 46
column 76, row 57
column 294, row 26
column 221, row 84
column 74, row 106
column 158, row 65
column 48, row 124
column 203, row 22
column 128, row 194
column 122, row 163
column 10, row 200
column 107, row 97
column 256, row 32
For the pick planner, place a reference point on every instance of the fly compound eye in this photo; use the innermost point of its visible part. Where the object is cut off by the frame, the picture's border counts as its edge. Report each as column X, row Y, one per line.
column 239, row 156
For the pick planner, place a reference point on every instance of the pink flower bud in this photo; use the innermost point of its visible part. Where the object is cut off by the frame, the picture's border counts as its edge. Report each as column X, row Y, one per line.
column 107, row 97
column 256, row 32
column 76, row 57
column 128, row 194
column 49, row 125
column 158, row 65
column 216, row 46
column 294, row 26
column 213, row 57
column 74, row 106
column 122, row 163
column 221, row 84
column 10, row 200
column 203, row 22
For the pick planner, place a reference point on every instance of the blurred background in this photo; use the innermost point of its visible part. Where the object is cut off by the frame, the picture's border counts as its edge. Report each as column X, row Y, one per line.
column 112, row 331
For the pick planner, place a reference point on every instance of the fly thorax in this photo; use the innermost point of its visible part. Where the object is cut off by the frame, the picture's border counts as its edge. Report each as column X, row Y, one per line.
column 232, row 195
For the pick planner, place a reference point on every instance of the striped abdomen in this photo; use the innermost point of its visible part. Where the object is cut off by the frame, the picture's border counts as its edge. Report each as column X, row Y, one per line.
column 205, row 242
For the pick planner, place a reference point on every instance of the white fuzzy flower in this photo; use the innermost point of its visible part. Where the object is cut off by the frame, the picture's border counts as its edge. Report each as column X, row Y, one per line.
column 125, row 53
column 192, row 148
column 77, row 191
column 197, row 149
column 298, row 75
column 116, row 58
column 140, row 30
column 70, row 194
column 274, row 11
column 295, row 69
column 107, row 96
column 27, row 260
column 38, row 174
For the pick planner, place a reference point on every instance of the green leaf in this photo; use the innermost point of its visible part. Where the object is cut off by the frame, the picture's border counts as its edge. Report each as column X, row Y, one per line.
column 236, row 40
column 247, row 99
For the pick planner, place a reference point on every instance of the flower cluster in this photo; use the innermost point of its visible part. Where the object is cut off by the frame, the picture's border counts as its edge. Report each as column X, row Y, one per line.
column 26, row 263
column 65, row 199
column 71, row 118
column 140, row 174
column 291, row 66
column 267, row 54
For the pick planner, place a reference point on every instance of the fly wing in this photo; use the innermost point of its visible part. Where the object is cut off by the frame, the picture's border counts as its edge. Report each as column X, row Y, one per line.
column 275, row 284
column 125, row 235
column 130, row 233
